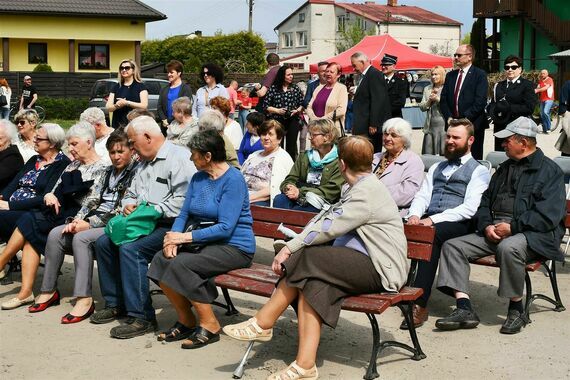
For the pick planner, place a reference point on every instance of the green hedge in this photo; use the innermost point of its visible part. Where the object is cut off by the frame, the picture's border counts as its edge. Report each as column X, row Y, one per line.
column 240, row 52
column 63, row 108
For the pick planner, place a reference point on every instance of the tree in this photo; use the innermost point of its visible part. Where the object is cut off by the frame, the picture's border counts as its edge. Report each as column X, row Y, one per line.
column 350, row 35
column 245, row 51
column 440, row 49
column 466, row 39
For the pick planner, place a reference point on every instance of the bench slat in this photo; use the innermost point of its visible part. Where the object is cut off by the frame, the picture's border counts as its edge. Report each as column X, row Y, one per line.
column 491, row 261
column 365, row 305
column 269, row 230
column 294, row 218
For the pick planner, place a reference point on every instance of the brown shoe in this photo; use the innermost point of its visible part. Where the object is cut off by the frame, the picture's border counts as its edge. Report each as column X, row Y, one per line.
column 420, row 315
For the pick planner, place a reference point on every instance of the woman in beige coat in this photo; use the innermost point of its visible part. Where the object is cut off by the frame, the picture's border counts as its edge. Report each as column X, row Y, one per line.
column 329, row 101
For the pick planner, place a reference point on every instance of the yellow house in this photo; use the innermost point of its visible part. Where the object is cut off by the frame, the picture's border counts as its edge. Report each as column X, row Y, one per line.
column 72, row 35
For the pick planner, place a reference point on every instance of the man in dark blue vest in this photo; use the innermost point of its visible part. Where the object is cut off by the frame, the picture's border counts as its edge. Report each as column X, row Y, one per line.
column 447, row 200
column 521, row 218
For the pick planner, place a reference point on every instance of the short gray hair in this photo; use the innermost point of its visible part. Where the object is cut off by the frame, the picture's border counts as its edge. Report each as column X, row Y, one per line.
column 212, row 119
column 55, row 134
column 402, row 129
column 10, row 130
column 93, row 115
column 183, row 104
column 144, row 124
column 360, row 56
column 83, row 131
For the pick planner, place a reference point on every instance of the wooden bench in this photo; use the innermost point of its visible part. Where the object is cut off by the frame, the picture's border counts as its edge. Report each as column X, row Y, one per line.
column 260, row 280
column 548, row 265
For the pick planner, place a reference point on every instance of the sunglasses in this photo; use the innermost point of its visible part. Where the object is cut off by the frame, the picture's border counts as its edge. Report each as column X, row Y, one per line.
column 511, row 67
column 385, row 65
column 21, row 122
column 459, row 55
column 207, row 74
column 125, row 68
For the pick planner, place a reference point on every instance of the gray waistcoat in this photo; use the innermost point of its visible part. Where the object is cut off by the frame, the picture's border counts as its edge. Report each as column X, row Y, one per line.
column 449, row 193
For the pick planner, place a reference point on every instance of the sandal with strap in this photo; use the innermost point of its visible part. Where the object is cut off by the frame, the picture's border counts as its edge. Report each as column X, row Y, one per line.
column 200, row 338
column 294, row 372
column 177, row 332
column 248, row 331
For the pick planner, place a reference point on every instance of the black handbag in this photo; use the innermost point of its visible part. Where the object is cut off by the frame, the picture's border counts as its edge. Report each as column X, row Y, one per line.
column 3, row 100
column 194, row 247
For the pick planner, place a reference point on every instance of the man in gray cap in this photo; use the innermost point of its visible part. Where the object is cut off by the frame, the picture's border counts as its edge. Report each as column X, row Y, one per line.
column 397, row 87
column 520, row 219
column 29, row 94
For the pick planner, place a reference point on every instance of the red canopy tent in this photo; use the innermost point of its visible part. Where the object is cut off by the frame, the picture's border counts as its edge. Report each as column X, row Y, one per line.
column 376, row 46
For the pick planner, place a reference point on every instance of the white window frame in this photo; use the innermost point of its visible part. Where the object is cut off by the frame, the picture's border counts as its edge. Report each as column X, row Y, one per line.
column 300, row 38
column 287, row 40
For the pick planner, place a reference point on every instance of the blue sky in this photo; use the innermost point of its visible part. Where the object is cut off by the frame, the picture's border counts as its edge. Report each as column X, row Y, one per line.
column 186, row 16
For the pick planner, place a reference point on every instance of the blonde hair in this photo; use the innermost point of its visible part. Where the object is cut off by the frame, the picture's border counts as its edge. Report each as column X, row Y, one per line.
column 326, row 127
column 441, row 71
column 136, row 71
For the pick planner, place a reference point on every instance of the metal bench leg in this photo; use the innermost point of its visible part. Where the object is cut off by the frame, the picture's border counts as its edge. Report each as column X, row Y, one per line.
column 553, row 281
column 529, row 297
column 240, row 369
column 230, row 305
column 409, row 316
column 372, row 372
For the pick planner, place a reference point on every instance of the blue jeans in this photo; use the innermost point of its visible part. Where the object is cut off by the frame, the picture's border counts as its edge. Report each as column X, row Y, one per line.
column 4, row 112
column 242, row 117
column 281, row 201
column 545, row 114
column 122, row 272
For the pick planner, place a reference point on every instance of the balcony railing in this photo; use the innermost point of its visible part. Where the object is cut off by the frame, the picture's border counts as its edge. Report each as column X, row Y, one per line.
column 496, row 8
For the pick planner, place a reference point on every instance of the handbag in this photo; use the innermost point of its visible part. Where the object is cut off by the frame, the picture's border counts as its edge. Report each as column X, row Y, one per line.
column 334, row 119
column 3, row 100
column 142, row 221
column 194, row 247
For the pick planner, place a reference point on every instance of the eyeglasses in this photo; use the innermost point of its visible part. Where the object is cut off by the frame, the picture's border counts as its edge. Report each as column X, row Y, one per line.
column 385, row 65
column 313, row 135
column 511, row 67
column 21, row 122
column 125, row 68
column 36, row 138
column 457, row 55
column 207, row 74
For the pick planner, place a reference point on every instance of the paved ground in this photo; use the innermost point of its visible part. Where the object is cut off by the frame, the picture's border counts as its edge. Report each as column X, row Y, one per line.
column 39, row 347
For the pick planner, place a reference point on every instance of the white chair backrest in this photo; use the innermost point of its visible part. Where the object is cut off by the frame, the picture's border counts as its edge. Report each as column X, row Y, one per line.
column 564, row 164
column 486, row 164
column 430, row 159
column 496, row 158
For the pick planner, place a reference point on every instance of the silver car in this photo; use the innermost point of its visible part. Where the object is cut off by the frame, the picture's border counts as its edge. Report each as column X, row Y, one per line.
column 102, row 88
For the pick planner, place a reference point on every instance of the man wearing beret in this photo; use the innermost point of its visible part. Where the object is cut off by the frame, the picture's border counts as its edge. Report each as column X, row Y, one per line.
column 397, row 87
column 520, row 219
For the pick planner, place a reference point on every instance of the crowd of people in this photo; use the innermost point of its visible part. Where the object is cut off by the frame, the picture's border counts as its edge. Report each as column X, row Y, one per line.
column 170, row 200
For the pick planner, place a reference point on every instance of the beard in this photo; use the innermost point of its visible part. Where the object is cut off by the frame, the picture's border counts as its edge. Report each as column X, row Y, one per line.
column 457, row 153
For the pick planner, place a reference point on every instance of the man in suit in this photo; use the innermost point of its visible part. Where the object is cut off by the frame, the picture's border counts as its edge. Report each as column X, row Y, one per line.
column 512, row 98
column 397, row 87
column 464, row 95
column 371, row 104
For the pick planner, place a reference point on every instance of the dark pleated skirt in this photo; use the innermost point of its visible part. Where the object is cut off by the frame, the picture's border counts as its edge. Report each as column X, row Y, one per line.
column 8, row 222
column 192, row 274
column 36, row 226
column 325, row 275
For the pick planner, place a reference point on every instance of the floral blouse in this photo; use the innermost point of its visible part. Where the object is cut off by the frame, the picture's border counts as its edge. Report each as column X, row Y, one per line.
column 276, row 97
column 27, row 184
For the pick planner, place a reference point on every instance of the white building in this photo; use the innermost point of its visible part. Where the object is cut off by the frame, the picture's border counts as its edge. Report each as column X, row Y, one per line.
column 311, row 33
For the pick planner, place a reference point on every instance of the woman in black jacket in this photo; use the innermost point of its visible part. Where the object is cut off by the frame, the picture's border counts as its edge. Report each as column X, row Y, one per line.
column 10, row 157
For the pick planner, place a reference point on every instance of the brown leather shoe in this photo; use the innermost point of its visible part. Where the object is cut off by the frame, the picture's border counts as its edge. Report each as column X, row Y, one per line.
column 420, row 315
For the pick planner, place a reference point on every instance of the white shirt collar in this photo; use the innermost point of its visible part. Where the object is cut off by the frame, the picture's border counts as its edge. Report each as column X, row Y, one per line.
column 366, row 70
column 466, row 69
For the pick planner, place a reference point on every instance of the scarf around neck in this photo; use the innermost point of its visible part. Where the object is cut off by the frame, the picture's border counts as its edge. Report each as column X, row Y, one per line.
column 315, row 159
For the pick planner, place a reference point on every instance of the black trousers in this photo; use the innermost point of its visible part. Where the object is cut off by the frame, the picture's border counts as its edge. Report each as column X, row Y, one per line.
column 427, row 270
column 292, row 127
column 477, row 147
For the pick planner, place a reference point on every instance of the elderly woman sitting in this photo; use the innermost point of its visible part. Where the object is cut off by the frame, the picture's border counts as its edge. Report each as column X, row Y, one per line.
column 214, row 120
column 77, row 188
column 26, row 120
column 264, row 170
column 315, row 171
column 11, row 160
column 27, row 189
column 184, row 125
column 79, row 236
column 368, row 255
column 400, row 169
column 216, row 201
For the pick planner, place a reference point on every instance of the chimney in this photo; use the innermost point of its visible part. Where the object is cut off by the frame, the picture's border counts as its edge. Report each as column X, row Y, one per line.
column 392, row 3
column 198, row 33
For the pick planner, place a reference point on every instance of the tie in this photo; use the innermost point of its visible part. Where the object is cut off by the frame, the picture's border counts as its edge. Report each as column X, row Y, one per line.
column 387, row 80
column 456, row 162
column 456, row 93
column 508, row 83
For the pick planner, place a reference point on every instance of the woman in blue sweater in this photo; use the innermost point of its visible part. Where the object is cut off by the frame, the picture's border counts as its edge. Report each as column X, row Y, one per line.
column 251, row 142
column 212, row 235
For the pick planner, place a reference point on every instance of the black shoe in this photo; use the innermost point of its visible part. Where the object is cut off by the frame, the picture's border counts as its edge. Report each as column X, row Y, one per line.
column 514, row 323
column 458, row 319
column 108, row 314
column 133, row 327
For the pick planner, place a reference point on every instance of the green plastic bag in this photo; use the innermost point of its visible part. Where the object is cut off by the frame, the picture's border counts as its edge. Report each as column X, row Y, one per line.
column 125, row 229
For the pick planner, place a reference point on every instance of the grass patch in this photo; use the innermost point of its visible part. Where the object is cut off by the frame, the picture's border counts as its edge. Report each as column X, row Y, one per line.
column 65, row 124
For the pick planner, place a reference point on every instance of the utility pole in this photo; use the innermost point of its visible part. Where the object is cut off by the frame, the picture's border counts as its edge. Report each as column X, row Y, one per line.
column 250, row 26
